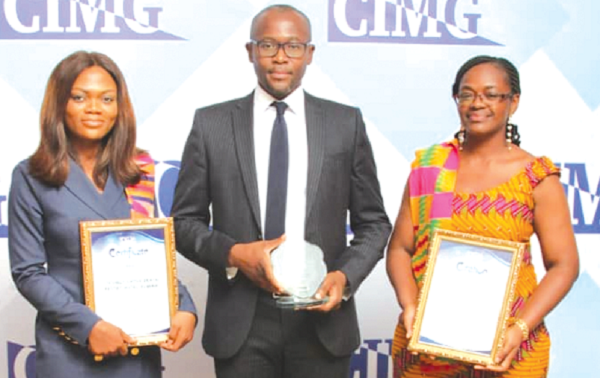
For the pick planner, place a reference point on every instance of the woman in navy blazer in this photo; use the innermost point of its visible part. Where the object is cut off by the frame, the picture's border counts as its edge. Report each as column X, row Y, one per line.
column 86, row 159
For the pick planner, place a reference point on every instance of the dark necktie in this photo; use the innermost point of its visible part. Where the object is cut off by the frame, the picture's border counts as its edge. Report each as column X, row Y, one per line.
column 278, row 176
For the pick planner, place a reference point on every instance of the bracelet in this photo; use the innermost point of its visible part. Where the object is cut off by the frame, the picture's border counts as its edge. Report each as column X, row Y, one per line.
column 522, row 325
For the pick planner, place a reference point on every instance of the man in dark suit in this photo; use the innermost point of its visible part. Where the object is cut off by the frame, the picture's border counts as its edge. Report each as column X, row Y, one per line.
column 228, row 171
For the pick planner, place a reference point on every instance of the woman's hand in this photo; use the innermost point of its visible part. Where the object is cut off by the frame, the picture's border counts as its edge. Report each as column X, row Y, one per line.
column 106, row 339
column 182, row 331
column 407, row 317
column 505, row 357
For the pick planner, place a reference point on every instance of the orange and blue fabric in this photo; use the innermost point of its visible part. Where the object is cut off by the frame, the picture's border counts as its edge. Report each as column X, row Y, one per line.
column 502, row 212
column 141, row 194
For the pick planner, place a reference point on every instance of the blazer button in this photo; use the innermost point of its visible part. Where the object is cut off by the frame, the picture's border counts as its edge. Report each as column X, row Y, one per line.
column 259, row 237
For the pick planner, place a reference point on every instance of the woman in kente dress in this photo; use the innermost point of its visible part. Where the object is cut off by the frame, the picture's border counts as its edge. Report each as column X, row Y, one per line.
column 483, row 183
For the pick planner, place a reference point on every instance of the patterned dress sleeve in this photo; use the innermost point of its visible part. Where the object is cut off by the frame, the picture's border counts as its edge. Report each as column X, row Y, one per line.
column 539, row 169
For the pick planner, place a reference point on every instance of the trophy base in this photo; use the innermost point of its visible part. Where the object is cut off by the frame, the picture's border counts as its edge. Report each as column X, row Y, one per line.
column 295, row 303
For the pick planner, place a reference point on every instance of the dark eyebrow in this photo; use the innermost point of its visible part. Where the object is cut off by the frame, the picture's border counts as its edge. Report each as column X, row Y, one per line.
column 86, row 91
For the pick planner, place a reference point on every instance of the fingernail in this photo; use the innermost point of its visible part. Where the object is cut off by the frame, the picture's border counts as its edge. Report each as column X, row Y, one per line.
column 318, row 296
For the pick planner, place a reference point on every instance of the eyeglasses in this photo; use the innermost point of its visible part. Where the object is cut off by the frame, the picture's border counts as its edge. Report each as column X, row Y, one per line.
column 268, row 49
column 464, row 98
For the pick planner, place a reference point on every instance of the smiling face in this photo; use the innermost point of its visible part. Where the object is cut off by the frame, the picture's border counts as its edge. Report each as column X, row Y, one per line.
column 280, row 75
column 92, row 107
column 488, row 112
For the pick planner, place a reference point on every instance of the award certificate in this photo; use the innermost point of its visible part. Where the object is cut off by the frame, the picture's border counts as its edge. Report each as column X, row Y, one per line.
column 466, row 298
column 130, row 277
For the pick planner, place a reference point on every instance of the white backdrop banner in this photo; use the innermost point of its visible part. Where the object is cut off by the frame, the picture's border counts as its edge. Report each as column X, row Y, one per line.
column 395, row 59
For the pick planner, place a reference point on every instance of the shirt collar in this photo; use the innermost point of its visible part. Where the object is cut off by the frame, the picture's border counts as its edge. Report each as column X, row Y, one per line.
column 294, row 101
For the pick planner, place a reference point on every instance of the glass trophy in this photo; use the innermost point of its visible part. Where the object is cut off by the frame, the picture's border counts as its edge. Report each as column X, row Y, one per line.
column 300, row 268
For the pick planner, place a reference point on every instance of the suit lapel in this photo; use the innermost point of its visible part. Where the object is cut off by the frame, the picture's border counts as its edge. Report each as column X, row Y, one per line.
column 244, row 145
column 315, row 128
column 82, row 188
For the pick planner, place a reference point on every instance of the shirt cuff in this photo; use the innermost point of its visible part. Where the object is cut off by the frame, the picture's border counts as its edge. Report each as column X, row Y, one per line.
column 347, row 293
column 231, row 272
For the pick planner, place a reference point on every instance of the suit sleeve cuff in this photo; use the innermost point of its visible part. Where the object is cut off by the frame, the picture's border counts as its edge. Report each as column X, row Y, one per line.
column 185, row 300
column 80, row 333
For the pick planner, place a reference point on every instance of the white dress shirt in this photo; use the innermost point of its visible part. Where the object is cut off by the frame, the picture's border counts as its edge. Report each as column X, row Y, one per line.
column 295, row 119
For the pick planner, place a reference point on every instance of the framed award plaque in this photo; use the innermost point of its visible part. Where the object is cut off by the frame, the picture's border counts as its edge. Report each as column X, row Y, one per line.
column 466, row 298
column 130, row 275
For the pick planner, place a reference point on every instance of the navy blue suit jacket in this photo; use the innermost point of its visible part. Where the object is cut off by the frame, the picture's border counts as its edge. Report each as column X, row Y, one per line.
column 45, row 259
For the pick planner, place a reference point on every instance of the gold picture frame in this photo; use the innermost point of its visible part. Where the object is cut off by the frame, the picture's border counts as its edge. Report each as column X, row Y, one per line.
column 130, row 275
column 466, row 298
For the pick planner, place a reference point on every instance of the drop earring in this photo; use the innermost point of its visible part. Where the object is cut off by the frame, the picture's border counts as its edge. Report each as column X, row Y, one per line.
column 461, row 138
column 509, row 135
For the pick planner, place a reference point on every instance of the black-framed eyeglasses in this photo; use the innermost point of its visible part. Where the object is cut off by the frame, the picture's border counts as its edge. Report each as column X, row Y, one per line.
column 464, row 98
column 268, row 49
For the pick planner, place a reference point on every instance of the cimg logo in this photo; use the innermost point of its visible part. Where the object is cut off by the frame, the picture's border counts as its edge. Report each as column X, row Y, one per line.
column 21, row 360
column 82, row 19
column 3, row 211
column 372, row 359
column 584, row 200
column 443, row 22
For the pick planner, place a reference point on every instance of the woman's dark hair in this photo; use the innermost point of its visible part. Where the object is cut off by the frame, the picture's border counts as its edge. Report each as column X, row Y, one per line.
column 50, row 162
column 511, row 72
column 509, row 69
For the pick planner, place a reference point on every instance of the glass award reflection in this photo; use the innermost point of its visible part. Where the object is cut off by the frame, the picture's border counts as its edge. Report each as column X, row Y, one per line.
column 300, row 268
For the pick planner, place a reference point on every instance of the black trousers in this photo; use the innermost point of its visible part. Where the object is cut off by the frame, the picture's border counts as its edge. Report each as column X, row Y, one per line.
column 282, row 344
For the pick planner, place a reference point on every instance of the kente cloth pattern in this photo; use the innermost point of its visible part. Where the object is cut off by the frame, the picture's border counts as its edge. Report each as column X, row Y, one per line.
column 141, row 194
column 504, row 212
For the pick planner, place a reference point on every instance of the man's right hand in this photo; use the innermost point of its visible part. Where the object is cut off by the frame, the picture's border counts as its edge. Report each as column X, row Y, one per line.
column 106, row 339
column 254, row 260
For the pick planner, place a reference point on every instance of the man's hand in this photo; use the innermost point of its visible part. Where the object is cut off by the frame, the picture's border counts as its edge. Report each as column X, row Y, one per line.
column 181, row 332
column 333, row 287
column 106, row 339
column 254, row 260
